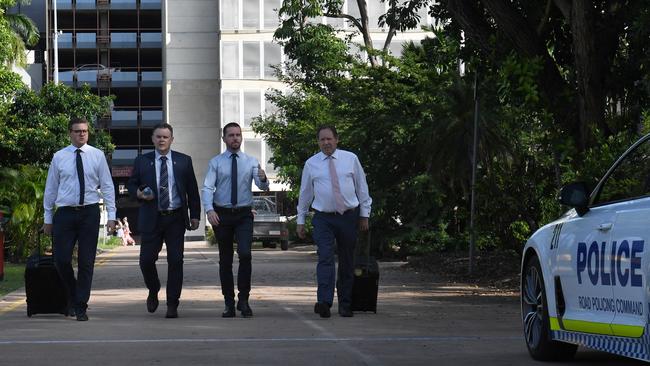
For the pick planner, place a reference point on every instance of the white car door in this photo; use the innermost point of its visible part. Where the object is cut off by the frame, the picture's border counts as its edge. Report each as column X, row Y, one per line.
column 626, row 189
column 582, row 246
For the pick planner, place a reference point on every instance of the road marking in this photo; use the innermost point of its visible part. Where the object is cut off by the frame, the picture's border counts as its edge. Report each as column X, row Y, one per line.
column 279, row 339
column 367, row 359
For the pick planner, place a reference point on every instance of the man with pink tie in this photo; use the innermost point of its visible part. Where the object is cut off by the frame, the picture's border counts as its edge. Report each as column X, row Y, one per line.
column 334, row 184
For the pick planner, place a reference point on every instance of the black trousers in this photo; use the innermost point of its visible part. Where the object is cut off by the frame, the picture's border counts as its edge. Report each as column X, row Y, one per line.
column 234, row 225
column 72, row 226
column 171, row 230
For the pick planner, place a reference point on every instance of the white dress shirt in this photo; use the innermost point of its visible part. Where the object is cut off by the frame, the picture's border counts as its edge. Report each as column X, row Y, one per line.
column 62, row 185
column 316, row 184
column 174, row 197
column 216, row 185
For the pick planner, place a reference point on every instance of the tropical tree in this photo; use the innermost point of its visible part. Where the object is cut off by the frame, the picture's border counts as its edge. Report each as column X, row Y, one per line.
column 16, row 31
column 36, row 124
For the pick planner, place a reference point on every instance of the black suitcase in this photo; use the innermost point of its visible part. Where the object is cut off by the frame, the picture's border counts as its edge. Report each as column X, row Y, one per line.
column 366, row 282
column 45, row 291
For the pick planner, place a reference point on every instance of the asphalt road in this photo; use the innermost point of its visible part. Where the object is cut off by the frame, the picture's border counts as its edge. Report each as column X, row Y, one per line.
column 419, row 321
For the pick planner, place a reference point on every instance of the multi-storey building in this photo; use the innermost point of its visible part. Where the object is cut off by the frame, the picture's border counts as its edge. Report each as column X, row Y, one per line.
column 196, row 64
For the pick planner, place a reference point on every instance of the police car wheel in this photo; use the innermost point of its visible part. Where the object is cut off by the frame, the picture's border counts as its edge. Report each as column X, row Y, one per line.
column 535, row 317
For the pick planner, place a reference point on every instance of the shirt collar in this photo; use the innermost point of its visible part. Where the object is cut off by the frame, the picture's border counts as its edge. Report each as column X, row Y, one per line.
column 335, row 155
column 158, row 155
column 83, row 148
column 230, row 153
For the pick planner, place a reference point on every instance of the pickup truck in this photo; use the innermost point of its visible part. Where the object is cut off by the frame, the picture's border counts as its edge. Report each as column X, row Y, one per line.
column 268, row 226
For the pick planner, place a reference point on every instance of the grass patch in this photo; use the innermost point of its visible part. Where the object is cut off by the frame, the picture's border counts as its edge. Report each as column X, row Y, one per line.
column 13, row 278
column 110, row 242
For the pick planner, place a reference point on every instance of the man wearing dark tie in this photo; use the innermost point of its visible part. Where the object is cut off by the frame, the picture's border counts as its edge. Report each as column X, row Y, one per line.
column 227, row 200
column 334, row 184
column 72, row 181
column 164, row 182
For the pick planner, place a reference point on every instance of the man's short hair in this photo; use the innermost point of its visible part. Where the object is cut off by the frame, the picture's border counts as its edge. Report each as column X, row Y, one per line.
column 231, row 124
column 327, row 127
column 164, row 126
column 76, row 120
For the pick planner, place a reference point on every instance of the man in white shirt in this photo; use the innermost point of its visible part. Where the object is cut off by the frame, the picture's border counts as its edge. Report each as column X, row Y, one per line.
column 334, row 184
column 71, row 187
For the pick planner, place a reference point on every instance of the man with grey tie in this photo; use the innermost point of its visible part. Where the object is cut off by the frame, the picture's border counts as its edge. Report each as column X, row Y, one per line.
column 227, row 199
column 71, row 203
column 334, row 184
column 164, row 183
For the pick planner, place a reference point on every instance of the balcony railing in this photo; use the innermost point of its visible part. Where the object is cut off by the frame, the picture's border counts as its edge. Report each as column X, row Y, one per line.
column 151, row 79
column 150, row 4
column 124, row 118
column 86, row 40
column 122, row 79
column 86, row 5
column 63, row 5
column 123, row 4
column 151, row 40
column 124, row 40
column 151, row 118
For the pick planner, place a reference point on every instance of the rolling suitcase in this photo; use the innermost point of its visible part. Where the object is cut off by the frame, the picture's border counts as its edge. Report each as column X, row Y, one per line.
column 366, row 281
column 45, row 291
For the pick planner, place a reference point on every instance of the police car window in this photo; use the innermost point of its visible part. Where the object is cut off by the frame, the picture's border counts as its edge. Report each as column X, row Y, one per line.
column 630, row 179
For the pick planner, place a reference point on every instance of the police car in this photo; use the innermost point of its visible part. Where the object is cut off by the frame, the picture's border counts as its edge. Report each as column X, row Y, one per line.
column 584, row 278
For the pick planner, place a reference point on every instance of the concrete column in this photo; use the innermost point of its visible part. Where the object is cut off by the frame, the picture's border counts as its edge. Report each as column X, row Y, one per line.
column 191, row 76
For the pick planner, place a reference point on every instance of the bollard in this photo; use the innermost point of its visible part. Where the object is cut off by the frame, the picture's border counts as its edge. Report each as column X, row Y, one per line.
column 2, row 248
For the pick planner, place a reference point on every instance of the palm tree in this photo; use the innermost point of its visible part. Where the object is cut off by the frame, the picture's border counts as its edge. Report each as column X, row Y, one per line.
column 23, row 31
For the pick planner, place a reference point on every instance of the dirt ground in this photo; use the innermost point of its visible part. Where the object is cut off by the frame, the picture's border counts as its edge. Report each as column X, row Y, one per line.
column 492, row 271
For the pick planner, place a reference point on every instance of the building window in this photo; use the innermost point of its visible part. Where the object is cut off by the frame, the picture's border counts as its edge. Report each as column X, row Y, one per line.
column 229, row 14
column 252, row 106
column 375, row 9
column 269, row 168
column 253, row 147
column 271, row 19
column 272, row 57
column 230, row 60
column 251, row 14
column 251, row 56
column 230, row 107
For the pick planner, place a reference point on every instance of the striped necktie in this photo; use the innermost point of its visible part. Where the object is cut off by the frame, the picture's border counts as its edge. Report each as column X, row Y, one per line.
column 164, row 184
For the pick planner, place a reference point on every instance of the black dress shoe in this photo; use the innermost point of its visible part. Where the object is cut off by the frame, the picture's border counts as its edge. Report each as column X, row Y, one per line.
column 172, row 311
column 82, row 316
column 322, row 309
column 152, row 301
column 229, row 312
column 245, row 309
column 70, row 311
column 345, row 312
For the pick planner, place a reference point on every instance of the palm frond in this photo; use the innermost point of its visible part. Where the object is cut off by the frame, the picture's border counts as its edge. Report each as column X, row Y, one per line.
column 24, row 27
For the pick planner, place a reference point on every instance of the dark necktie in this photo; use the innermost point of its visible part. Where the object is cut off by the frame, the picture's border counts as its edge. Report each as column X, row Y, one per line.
column 80, row 175
column 233, row 180
column 164, row 184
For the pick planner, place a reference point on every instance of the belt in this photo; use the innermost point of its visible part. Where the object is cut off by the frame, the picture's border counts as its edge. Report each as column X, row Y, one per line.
column 335, row 213
column 79, row 208
column 232, row 210
column 169, row 212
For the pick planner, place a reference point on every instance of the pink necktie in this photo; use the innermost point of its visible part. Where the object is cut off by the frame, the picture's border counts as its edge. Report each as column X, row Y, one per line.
column 336, row 188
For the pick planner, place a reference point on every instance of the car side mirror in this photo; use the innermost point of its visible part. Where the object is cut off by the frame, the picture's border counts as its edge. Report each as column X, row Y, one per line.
column 575, row 195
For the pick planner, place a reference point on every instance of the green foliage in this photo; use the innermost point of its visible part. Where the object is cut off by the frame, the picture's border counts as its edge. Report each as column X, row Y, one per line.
column 16, row 31
column 21, row 200
column 36, row 125
column 412, row 123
